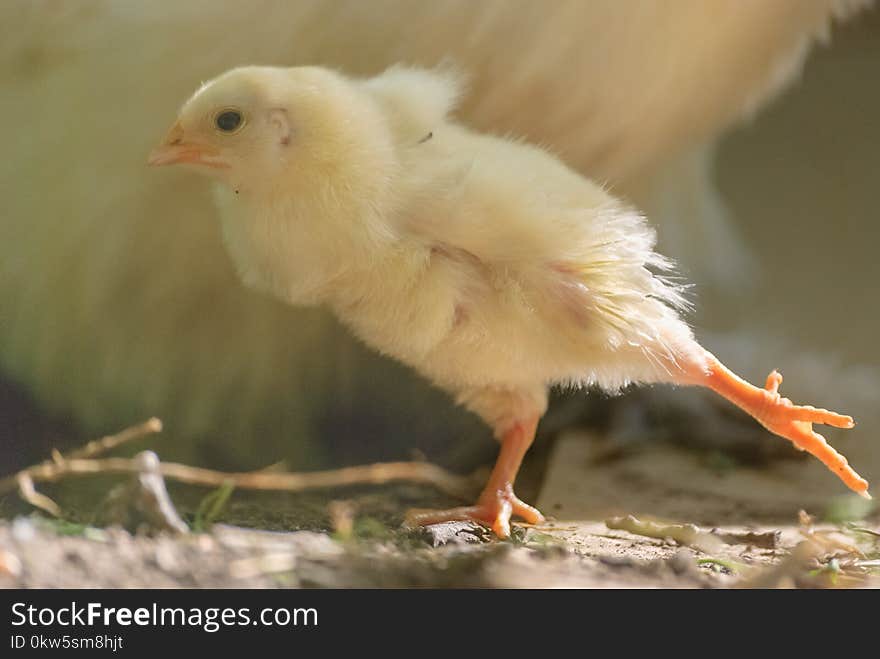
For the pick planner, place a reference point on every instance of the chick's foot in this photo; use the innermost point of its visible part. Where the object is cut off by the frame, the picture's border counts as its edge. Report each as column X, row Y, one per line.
column 782, row 417
column 497, row 503
column 494, row 509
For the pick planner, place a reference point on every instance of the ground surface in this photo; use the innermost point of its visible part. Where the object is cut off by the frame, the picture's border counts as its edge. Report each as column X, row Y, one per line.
column 585, row 480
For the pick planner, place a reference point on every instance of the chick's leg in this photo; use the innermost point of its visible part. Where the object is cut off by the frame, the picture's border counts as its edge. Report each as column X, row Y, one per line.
column 497, row 503
column 781, row 417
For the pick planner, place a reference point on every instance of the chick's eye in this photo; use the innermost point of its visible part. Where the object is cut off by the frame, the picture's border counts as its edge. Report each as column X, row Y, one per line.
column 228, row 121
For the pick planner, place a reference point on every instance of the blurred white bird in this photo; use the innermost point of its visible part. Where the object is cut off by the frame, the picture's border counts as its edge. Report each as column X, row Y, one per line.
column 483, row 263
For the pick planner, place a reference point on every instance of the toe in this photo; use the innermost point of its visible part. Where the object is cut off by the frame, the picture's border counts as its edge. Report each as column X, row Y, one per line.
column 501, row 525
column 773, row 381
column 494, row 511
column 529, row 513
column 805, row 438
column 818, row 415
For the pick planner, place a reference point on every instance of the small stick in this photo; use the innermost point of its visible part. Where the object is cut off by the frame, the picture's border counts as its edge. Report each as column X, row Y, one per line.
column 785, row 573
column 24, row 481
column 827, row 540
column 374, row 474
column 30, row 494
column 858, row 529
column 81, row 463
column 105, row 444
column 342, row 518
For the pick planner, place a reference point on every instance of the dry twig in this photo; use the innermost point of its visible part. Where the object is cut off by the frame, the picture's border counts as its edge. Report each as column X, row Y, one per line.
column 29, row 493
column 786, row 573
column 829, row 541
column 110, row 442
column 342, row 518
column 82, row 463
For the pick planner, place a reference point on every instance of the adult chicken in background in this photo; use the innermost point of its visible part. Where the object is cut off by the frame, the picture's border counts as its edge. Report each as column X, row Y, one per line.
column 118, row 300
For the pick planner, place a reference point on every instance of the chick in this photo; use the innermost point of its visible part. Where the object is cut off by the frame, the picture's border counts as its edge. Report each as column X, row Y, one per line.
column 485, row 264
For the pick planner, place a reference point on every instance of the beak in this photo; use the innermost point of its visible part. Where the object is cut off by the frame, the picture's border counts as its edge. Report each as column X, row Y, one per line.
column 175, row 150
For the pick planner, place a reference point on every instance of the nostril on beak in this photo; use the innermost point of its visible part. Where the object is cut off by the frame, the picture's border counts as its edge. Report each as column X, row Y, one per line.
column 175, row 135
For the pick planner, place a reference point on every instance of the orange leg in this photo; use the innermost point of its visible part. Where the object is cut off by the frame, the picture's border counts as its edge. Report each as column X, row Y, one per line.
column 780, row 416
column 497, row 503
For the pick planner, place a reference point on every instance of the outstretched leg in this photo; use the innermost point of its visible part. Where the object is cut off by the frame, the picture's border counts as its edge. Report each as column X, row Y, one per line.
column 497, row 503
column 780, row 416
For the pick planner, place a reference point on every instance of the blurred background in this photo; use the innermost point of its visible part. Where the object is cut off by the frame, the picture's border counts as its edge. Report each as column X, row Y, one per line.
column 746, row 130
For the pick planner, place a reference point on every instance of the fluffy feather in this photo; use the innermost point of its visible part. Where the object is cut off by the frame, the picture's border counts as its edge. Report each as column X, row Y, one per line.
column 414, row 100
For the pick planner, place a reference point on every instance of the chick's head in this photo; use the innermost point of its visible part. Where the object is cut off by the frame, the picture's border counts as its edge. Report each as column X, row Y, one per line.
column 286, row 130
column 311, row 161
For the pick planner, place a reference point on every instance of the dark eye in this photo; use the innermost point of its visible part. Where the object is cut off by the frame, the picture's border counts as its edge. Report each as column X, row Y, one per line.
column 228, row 121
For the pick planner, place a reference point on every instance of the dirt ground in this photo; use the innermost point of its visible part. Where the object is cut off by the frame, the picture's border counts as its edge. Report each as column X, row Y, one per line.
column 718, row 526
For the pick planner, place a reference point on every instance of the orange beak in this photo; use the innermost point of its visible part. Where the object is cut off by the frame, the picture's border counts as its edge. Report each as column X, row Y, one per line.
column 174, row 150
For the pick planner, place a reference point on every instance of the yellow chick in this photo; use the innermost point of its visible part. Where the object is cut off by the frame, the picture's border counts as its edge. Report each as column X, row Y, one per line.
column 485, row 264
